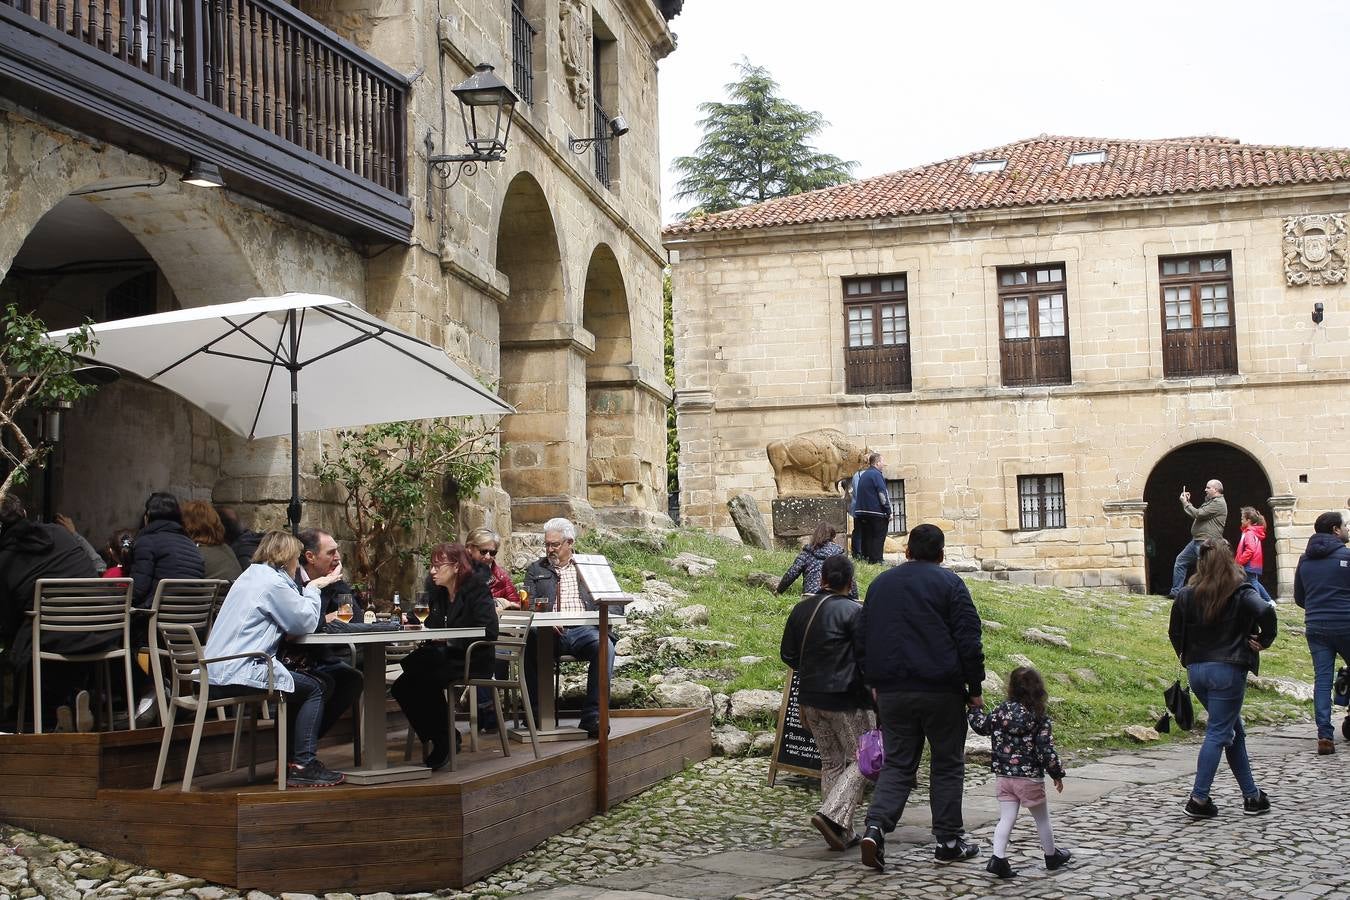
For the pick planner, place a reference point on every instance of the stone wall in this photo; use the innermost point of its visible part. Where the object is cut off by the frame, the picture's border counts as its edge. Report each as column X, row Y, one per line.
column 760, row 336
column 466, row 282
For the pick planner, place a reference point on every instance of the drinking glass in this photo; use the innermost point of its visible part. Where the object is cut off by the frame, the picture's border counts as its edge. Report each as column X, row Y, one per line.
column 344, row 612
column 422, row 607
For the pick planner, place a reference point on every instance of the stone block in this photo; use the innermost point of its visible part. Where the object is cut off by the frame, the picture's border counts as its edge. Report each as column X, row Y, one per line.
column 795, row 517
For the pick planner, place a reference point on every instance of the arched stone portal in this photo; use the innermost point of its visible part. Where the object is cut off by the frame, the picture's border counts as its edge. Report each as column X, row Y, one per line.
column 1167, row 528
column 613, row 465
column 543, row 366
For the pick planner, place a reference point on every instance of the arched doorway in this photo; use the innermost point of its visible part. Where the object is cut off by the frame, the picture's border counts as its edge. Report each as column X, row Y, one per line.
column 613, row 470
column 1167, row 528
column 543, row 367
column 129, row 438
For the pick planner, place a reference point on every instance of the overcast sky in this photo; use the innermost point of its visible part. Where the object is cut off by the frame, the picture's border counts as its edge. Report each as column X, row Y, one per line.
column 906, row 82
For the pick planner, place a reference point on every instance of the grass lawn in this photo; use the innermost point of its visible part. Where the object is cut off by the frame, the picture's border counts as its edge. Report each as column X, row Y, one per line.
column 1110, row 677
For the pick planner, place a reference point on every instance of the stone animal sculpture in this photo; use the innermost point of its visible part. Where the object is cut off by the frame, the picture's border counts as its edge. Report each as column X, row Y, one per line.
column 814, row 462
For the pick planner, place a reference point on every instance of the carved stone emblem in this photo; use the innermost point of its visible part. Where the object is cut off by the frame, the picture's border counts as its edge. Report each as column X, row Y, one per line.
column 1314, row 249
column 575, row 33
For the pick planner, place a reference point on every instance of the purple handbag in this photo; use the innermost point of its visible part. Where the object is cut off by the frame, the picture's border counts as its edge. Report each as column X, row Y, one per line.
column 871, row 754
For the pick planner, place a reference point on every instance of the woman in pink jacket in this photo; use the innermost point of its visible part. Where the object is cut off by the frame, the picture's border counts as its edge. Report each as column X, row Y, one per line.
column 1249, row 553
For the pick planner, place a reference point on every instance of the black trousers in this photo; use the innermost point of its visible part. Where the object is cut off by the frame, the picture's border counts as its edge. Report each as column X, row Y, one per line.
column 420, row 690
column 341, row 686
column 872, row 536
column 908, row 719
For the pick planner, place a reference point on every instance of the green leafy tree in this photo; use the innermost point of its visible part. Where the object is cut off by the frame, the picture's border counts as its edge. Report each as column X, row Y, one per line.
column 34, row 372
column 755, row 147
column 401, row 482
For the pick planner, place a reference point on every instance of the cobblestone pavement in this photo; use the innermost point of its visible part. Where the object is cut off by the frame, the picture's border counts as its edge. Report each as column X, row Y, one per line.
column 717, row 831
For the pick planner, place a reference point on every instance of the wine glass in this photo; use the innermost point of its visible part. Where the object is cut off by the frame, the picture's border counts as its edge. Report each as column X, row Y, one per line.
column 421, row 607
column 344, row 611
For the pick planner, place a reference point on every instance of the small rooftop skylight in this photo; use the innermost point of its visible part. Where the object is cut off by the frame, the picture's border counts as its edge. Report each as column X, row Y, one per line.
column 1087, row 157
column 981, row 166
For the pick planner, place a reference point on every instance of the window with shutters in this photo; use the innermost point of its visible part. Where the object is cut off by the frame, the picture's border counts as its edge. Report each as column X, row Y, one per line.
column 1033, row 326
column 876, row 334
column 1199, row 333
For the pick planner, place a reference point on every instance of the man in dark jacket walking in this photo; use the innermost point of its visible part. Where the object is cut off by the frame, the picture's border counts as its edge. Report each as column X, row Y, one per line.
column 1322, row 588
column 918, row 645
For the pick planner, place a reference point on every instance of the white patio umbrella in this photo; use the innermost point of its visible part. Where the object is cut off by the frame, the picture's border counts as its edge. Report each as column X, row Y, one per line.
column 300, row 362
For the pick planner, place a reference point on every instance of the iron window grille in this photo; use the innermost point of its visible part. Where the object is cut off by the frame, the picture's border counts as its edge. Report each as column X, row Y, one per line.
column 522, row 53
column 895, row 489
column 1041, row 502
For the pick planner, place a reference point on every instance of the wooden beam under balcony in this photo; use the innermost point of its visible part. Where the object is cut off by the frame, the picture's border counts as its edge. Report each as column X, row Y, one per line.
column 295, row 116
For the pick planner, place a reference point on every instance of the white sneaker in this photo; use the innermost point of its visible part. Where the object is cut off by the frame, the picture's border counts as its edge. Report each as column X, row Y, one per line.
column 84, row 716
column 65, row 723
column 145, row 706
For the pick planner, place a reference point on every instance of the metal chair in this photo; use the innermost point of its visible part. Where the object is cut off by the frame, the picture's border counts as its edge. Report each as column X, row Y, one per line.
column 80, row 606
column 190, row 690
column 513, row 628
column 180, row 601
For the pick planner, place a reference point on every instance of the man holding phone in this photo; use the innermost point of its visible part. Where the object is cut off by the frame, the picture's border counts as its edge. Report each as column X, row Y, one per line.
column 1207, row 521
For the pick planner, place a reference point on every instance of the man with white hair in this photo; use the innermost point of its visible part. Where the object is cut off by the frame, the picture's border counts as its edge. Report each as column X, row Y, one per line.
column 553, row 585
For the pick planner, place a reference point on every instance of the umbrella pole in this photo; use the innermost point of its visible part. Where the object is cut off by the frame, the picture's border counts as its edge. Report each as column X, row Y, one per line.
column 293, row 508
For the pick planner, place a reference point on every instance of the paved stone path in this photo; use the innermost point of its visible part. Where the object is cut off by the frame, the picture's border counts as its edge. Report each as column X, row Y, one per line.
column 717, row 831
column 1121, row 816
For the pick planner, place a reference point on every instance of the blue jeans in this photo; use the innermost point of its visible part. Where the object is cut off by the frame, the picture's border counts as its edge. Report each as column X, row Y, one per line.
column 1324, row 644
column 1186, row 560
column 1254, row 579
column 304, row 711
column 583, row 642
column 1220, row 688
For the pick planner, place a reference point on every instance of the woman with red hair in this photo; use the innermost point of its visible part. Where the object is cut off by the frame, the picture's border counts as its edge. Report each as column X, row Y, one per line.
column 459, row 598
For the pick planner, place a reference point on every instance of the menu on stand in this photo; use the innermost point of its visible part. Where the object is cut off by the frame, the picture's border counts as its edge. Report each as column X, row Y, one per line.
column 794, row 749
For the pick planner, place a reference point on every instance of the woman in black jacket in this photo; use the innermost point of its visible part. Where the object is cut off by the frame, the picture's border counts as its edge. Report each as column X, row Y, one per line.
column 835, row 706
column 459, row 598
column 162, row 549
column 1219, row 627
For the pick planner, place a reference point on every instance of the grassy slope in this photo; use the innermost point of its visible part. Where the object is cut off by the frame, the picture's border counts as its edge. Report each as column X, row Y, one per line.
column 1092, row 711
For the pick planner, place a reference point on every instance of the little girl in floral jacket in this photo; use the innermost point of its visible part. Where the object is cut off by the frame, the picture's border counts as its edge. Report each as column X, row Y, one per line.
column 1023, row 754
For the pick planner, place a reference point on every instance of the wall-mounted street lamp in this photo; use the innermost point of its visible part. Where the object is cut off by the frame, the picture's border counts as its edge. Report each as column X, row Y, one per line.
column 1319, row 313
column 203, row 174
column 49, row 425
column 618, row 127
column 486, row 104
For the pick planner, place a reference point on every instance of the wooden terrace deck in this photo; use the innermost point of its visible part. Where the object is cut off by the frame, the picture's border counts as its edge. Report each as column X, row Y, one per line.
column 445, row 831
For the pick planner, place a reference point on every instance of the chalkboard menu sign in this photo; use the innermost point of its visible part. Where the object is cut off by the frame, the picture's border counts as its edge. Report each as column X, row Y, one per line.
column 794, row 749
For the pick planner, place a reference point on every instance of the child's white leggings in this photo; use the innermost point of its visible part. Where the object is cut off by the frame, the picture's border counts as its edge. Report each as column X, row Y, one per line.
column 1008, row 815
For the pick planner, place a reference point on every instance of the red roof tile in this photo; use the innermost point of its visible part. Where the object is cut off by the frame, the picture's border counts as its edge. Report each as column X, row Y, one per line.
column 1038, row 173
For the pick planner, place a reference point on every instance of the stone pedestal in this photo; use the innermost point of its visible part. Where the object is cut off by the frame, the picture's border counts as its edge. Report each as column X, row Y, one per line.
column 797, row 517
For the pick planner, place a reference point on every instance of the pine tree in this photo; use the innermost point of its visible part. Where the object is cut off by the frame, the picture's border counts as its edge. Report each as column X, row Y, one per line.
column 754, row 148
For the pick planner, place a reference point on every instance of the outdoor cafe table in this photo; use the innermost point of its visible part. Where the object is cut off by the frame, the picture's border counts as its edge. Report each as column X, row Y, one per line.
column 549, row 729
column 374, row 741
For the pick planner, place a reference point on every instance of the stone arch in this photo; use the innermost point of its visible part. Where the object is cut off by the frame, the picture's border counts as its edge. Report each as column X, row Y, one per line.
column 613, row 466
column 1192, row 465
column 1248, row 441
column 543, row 364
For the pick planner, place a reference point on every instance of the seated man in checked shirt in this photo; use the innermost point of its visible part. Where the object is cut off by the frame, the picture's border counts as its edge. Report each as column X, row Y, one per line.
column 553, row 585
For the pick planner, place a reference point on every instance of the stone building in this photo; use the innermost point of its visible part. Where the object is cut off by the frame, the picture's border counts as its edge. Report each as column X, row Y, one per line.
column 1046, row 340
column 541, row 273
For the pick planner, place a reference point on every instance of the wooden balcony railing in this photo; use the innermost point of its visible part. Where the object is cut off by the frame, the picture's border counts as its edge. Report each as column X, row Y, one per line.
column 259, row 60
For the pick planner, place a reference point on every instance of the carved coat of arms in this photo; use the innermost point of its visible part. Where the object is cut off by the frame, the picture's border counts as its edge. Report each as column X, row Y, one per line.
column 574, row 32
column 1314, row 249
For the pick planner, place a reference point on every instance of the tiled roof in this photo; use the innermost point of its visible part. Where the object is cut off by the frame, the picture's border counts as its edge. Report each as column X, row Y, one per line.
column 1038, row 172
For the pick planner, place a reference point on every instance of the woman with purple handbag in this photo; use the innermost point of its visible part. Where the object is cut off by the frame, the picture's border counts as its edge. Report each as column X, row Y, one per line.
column 835, row 706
